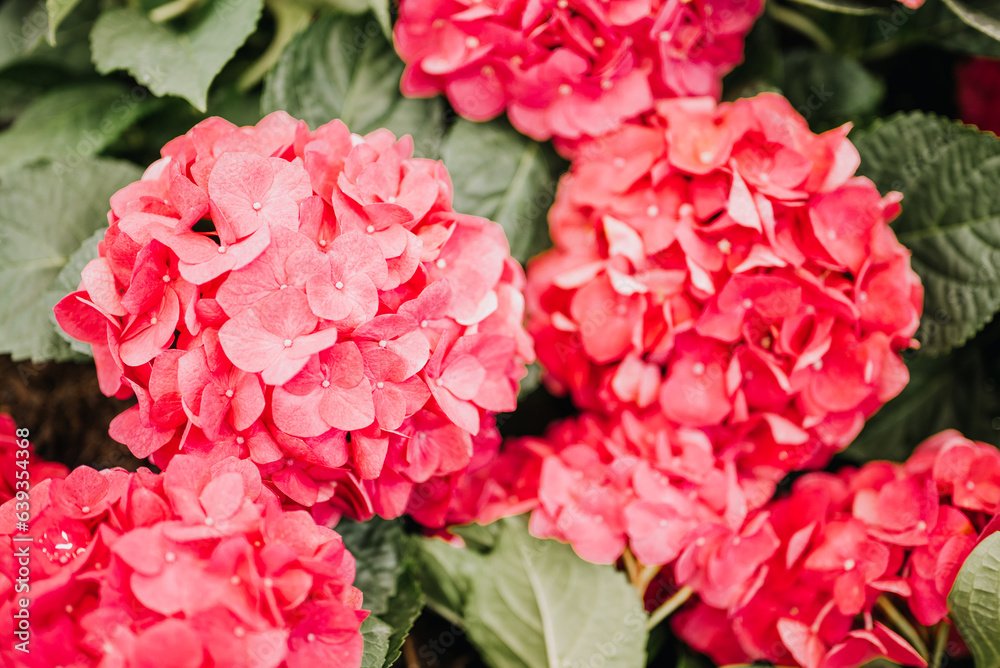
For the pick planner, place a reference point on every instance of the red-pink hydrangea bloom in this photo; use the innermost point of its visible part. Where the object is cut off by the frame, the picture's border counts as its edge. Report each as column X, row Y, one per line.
column 25, row 468
column 306, row 300
column 885, row 530
column 723, row 266
column 602, row 483
column 569, row 68
column 199, row 564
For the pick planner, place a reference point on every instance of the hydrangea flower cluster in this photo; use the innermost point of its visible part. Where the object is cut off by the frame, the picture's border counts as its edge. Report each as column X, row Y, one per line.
column 723, row 266
column 11, row 463
column 635, row 480
column 307, row 300
column 199, row 564
column 839, row 542
column 569, row 68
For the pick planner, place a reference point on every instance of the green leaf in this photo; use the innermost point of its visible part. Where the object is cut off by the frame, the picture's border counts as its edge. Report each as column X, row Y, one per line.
column 384, row 574
column 172, row 61
column 500, row 174
column 953, row 391
column 378, row 549
column 23, row 24
column 46, row 213
column 68, row 281
column 535, row 604
column 943, row 28
column 384, row 16
column 479, row 537
column 404, row 608
column 376, row 636
column 58, row 10
column 66, row 60
column 947, row 173
column 342, row 67
column 71, row 124
column 446, row 576
column 830, row 89
column 983, row 15
column 975, row 602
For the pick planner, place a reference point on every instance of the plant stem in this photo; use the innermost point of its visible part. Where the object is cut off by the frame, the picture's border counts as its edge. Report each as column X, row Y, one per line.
column 646, row 576
column 290, row 19
column 802, row 24
column 669, row 607
column 632, row 568
column 940, row 644
column 903, row 626
column 172, row 10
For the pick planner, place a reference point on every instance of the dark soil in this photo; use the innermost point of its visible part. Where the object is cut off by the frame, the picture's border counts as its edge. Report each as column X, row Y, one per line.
column 63, row 408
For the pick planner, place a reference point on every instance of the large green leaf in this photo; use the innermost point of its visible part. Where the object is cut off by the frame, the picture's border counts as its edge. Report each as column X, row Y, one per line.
column 500, row 174
column 169, row 60
column 342, row 67
column 384, row 574
column 953, row 391
column 983, row 15
column 975, row 602
column 376, row 635
column 70, row 124
column 45, row 216
column 947, row 173
column 829, row 89
column 535, row 604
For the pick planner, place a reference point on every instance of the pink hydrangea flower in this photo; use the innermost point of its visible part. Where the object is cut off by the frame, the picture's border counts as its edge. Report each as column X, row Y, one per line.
column 308, row 301
column 602, row 484
column 569, row 68
column 843, row 541
column 722, row 265
column 199, row 564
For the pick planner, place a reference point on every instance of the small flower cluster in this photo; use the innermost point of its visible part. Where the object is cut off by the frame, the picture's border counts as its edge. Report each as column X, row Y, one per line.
column 569, row 68
column 723, row 266
column 14, row 466
column 199, row 564
column 837, row 544
column 307, row 300
column 602, row 484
